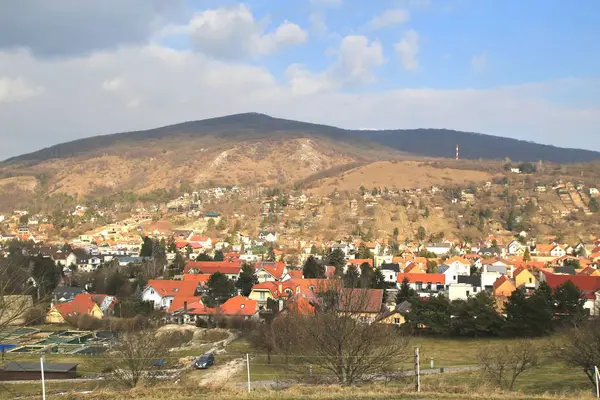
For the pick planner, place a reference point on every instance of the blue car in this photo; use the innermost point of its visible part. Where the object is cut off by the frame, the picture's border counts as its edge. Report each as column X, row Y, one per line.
column 204, row 362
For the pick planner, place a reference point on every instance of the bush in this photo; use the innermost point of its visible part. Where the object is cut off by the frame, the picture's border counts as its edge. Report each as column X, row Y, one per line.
column 201, row 323
column 134, row 324
column 34, row 316
column 176, row 338
column 86, row 322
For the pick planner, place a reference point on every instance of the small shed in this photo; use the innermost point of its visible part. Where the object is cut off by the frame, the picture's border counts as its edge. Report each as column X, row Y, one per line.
column 28, row 371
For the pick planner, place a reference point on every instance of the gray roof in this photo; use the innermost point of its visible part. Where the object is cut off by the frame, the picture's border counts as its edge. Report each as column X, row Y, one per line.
column 391, row 267
column 472, row 280
column 567, row 269
column 67, row 292
column 443, row 268
column 497, row 268
column 23, row 366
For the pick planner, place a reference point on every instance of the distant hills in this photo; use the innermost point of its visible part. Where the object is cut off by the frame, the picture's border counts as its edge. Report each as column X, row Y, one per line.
column 239, row 128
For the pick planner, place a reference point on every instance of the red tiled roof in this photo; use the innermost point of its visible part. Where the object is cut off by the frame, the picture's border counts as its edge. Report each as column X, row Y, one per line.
column 179, row 302
column 81, row 304
column 200, row 278
column 295, row 273
column 197, row 238
column 275, row 269
column 173, row 288
column 423, row 278
column 585, row 283
column 457, row 258
column 210, row 267
column 361, row 300
column 239, row 305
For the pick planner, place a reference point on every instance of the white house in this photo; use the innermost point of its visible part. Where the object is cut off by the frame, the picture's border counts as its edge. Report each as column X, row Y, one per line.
column 439, row 249
column 162, row 292
column 557, row 251
column 268, row 236
column 515, row 248
column 249, row 257
column 390, row 272
column 461, row 291
column 453, row 271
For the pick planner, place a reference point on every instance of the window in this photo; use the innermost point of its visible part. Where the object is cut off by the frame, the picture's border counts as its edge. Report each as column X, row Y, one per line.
column 530, row 280
column 151, row 291
column 397, row 321
column 391, row 277
column 468, row 293
column 262, row 295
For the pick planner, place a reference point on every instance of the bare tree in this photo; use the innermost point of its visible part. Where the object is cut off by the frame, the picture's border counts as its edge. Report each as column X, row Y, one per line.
column 14, row 302
column 504, row 363
column 581, row 348
column 133, row 358
column 341, row 337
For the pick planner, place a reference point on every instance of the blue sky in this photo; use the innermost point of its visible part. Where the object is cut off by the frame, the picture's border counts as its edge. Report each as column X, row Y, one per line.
column 528, row 69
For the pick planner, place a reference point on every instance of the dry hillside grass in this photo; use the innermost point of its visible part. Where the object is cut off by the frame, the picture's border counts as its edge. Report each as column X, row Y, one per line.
column 397, row 174
column 25, row 183
column 206, row 161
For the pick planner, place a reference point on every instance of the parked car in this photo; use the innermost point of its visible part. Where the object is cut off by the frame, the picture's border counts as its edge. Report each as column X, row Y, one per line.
column 205, row 361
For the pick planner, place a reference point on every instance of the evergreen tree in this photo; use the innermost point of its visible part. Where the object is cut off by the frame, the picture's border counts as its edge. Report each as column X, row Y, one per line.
column 220, row 288
column 313, row 269
column 363, row 253
column 351, row 277
column 171, row 246
column 527, row 254
column 405, row 292
column 434, row 314
column 337, row 259
column 476, row 317
column 146, row 250
column 218, row 256
column 528, row 316
column 421, row 233
column 568, row 303
column 246, row 280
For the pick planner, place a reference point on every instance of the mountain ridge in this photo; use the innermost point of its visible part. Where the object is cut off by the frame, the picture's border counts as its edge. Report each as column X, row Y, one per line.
column 425, row 142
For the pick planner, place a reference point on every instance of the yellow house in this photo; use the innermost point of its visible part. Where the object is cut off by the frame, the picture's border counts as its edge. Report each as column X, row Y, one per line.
column 82, row 304
column 524, row 277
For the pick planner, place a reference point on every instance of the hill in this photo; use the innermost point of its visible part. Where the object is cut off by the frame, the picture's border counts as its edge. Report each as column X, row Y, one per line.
column 248, row 149
column 253, row 126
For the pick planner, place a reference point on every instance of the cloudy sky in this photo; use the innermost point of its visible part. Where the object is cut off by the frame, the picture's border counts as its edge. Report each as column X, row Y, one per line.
column 526, row 69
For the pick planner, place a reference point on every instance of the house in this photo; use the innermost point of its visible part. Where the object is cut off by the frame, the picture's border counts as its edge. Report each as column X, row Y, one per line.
column 423, row 284
column 439, row 249
column 588, row 285
column 504, row 287
column 230, row 269
column 525, row 278
column 162, row 292
column 31, row 371
column 395, row 314
column 268, row 236
column 105, row 302
column 453, row 270
column 82, row 304
column 202, row 241
column 364, row 304
column 459, row 263
column 264, row 291
column 589, row 271
column 66, row 293
column 464, row 289
column 489, row 252
column 557, row 251
column 270, row 271
column 515, row 248
column 237, row 306
column 390, row 272
column 358, row 262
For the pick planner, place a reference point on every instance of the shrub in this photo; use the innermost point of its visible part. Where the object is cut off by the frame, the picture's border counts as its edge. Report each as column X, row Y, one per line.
column 34, row 316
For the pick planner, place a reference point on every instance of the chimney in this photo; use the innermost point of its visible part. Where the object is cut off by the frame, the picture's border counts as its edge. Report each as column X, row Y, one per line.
column 280, row 288
column 185, row 306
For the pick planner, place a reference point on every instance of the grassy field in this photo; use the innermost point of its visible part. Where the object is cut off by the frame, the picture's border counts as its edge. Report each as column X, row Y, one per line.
column 550, row 380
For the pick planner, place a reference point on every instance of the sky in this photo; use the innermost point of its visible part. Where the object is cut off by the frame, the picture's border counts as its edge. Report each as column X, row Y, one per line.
column 523, row 69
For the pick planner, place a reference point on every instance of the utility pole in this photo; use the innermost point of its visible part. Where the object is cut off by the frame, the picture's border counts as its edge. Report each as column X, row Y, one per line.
column 43, row 379
column 248, row 369
column 417, row 371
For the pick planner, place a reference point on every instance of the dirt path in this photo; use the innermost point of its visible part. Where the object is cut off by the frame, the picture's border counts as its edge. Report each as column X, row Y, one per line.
column 220, row 374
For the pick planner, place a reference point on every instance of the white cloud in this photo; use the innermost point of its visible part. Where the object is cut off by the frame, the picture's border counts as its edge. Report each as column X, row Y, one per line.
column 160, row 86
column 357, row 58
column 389, row 18
column 17, row 89
column 479, row 62
column 113, row 84
column 233, row 33
column 408, row 49
column 318, row 25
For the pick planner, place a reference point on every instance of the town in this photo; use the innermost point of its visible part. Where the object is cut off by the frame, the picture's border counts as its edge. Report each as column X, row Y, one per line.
column 180, row 263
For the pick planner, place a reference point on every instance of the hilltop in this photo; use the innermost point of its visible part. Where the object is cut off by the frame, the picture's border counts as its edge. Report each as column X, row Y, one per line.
column 248, row 149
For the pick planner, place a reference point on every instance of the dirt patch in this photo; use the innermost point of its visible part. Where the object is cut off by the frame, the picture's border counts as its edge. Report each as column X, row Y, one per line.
column 220, row 374
column 397, row 174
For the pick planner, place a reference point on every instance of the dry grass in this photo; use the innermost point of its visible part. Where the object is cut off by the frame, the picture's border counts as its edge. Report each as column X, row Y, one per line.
column 178, row 392
column 398, row 174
